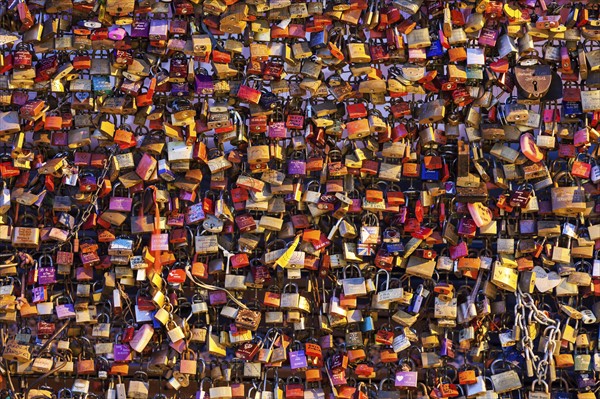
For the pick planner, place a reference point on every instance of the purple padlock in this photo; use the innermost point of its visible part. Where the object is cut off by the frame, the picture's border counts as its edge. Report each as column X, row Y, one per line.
column 140, row 28
column 217, row 297
column 186, row 195
column 38, row 294
column 47, row 275
column 406, row 379
column 447, row 348
column 338, row 378
column 277, row 130
column 297, row 167
column 64, row 310
column 204, row 84
column 177, row 44
column 159, row 29
column 122, row 352
column 488, row 37
column 120, row 204
column 180, row 89
column 195, row 214
column 298, row 357
column 585, row 379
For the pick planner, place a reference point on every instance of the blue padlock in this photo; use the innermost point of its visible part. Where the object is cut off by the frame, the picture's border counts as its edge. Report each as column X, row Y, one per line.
column 367, row 324
column 427, row 174
column 561, row 395
column 436, row 50
column 318, row 40
column 101, row 85
column 395, row 248
column 155, row 323
column 415, row 304
column 571, row 109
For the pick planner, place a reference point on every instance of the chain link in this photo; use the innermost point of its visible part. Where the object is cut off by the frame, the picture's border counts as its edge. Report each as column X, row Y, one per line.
column 525, row 308
column 88, row 211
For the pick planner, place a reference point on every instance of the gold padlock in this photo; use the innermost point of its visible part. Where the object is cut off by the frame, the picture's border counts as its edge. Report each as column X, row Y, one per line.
column 26, row 236
column 418, row 38
column 358, row 52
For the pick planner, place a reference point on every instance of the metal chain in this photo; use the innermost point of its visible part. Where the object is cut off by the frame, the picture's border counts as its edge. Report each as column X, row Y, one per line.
column 540, row 367
column 88, row 211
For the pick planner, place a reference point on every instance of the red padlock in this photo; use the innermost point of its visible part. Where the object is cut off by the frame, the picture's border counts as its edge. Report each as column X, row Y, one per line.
column 23, row 57
column 581, row 169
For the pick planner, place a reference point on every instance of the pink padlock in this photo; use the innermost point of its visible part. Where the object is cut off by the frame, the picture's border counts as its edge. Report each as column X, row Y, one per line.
column 117, row 34
column 581, row 137
column 458, row 251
